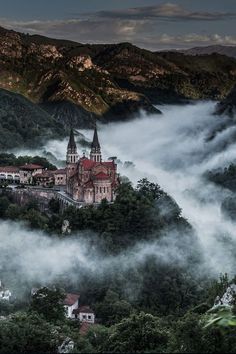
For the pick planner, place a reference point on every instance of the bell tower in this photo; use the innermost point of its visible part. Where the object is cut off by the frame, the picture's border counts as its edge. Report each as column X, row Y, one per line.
column 95, row 153
column 71, row 155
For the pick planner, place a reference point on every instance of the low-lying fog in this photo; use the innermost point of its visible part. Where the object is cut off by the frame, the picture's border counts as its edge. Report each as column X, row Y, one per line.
column 173, row 150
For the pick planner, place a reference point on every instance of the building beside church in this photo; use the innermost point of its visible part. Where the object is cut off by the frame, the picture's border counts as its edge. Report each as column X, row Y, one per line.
column 90, row 180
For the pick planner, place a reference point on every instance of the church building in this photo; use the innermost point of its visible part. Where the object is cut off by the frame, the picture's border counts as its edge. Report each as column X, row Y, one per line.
column 90, row 180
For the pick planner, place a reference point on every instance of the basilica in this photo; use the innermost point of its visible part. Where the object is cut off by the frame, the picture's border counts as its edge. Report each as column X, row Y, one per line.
column 89, row 180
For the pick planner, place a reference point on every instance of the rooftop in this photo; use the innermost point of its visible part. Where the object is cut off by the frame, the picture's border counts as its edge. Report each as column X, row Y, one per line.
column 71, row 299
column 31, row 166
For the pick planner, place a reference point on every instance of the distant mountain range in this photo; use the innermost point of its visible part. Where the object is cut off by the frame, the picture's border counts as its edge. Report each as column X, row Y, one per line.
column 70, row 83
column 230, row 51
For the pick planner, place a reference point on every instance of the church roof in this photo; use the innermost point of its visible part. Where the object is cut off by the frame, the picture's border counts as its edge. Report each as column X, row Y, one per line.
column 88, row 164
column 101, row 175
column 95, row 143
column 71, row 143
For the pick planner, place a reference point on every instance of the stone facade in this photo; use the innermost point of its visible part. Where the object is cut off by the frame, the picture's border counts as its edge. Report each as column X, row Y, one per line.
column 90, row 180
column 28, row 171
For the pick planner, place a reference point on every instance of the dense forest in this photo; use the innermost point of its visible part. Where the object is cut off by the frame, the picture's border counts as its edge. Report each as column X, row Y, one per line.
column 172, row 310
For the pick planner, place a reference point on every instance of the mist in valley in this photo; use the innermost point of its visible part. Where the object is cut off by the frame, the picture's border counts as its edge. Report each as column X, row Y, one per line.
column 173, row 150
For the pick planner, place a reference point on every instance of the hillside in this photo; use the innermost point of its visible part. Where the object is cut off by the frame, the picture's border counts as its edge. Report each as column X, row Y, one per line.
column 75, row 82
column 228, row 105
column 22, row 123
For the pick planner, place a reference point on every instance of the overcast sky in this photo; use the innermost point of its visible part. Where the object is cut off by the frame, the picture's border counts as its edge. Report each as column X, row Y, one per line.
column 152, row 24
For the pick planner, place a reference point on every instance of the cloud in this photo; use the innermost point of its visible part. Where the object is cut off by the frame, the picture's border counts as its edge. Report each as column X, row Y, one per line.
column 140, row 25
column 166, row 11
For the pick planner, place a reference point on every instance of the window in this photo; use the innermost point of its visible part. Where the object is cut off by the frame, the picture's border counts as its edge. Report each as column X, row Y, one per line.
column 89, row 317
column 104, row 189
column 100, row 189
column 84, row 317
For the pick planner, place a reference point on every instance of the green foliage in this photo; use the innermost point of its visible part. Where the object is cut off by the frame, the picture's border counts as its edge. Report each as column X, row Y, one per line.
column 137, row 334
column 4, row 204
column 112, row 309
column 11, row 160
column 29, row 334
column 49, row 304
column 224, row 177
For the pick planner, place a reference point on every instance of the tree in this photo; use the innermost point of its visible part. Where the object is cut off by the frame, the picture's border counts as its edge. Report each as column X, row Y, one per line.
column 23, row 333
column 137, row 334
column 49, row 303
column 4, row 204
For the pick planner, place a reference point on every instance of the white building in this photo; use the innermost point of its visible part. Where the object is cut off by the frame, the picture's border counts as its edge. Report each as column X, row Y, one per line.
column 10, row 174
column 84, row 314
column 5, row 294
column 71, row 303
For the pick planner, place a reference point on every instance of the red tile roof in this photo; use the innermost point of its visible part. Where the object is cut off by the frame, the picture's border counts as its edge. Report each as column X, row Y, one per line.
column 87, row 164
column 71, row 299
column 102, row 176
column 85, row 309
column 10, row 169
column 61, row 171
column 31, row 166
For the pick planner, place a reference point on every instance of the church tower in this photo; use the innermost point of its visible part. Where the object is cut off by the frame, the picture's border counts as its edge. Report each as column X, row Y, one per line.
column 95, row 153
column 71, row 155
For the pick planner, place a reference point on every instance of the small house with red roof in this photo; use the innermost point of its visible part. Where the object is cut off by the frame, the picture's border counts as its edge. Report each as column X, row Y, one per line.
column 84, row 314
column 71, row 303
column 90, row 180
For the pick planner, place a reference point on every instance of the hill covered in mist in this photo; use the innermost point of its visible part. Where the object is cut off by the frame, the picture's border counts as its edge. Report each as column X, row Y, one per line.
column 75, row 83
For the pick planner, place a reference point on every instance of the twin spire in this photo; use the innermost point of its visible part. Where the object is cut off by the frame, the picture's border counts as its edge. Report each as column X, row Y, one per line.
column 95, row 153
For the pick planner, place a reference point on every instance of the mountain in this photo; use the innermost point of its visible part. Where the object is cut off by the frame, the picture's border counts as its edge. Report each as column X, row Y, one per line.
column 230, row 51
column 75, row 83
column 228, row 105
column 22, row 123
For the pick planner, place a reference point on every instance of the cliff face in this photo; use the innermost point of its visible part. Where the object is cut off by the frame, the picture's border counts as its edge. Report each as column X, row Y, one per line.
column 228, row 105
column 75, row 82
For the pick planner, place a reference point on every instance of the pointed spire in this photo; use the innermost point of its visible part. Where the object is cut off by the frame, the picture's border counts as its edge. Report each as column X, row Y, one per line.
column 95, row 153
column 71, row 143
column 95, row 143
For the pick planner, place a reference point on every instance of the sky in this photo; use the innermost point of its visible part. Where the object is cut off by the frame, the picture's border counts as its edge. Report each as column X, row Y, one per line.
column 151, row 24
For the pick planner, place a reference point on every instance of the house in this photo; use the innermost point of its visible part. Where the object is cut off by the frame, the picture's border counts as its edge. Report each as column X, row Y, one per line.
column 60, row 177
column 44, row 179
column 28, row 171
column 84, row 314
column 71, row 303
column 5, row 294
column 9, row 174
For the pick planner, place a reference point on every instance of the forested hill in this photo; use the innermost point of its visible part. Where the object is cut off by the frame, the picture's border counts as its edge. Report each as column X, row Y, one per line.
column 77, row 82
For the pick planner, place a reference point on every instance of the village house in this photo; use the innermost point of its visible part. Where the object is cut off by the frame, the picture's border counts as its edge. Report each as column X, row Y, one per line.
column 71, row 303
column 60, row 177
column 28, row 171
column 44, row 179
column 5, row 294
column 84, row 314
column 9, row 174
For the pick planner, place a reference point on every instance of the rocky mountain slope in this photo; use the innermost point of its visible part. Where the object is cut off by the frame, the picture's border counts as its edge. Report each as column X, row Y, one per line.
column 228, row 105
column 76, row 83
